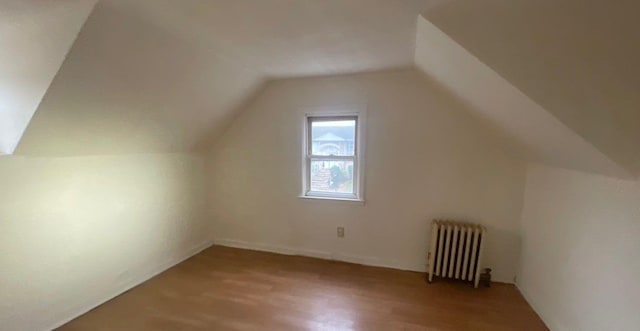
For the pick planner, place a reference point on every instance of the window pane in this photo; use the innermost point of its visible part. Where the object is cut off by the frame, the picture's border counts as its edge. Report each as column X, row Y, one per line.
column 336, row 137
column 332, row 176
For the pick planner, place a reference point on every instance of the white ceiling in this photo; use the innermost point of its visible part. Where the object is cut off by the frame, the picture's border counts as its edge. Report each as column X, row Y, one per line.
column 285, row 38
column 128, row 87
column 580, row 60
column 167, row 76
column 34, row 39
column 152, row 76
column 532, row 133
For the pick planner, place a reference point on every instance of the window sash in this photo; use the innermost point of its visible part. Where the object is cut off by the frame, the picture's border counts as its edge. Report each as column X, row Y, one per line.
column 333, row 195
column 309, row 157
column 312, row 119
column 332, row 157
column 356, row 177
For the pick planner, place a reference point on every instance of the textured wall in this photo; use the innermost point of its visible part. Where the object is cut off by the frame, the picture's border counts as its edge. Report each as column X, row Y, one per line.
column 579, row 265
column 75, row 232
column 425, row 158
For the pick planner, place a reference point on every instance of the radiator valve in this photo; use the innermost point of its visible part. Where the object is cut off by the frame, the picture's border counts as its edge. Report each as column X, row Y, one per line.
column 485, row 277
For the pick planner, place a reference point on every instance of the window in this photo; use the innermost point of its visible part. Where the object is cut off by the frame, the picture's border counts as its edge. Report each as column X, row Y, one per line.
column 332, row 157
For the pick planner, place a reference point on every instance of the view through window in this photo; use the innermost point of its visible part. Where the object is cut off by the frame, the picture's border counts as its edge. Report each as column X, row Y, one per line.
column 332, row 156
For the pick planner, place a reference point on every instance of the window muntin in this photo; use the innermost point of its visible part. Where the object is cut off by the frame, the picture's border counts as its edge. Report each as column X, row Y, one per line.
column 332, row 157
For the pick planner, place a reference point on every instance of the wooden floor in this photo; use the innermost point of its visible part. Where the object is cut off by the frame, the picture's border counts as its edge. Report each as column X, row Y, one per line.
column 232, row 289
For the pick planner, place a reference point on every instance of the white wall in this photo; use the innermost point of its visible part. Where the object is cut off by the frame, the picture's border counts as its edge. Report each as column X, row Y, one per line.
column 77, row 231
column 425, row 159
column 580, row 267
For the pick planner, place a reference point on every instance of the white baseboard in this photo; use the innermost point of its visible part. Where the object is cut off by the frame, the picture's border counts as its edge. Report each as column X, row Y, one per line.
column 111, row 293
column 547, row 321
column 287, row 250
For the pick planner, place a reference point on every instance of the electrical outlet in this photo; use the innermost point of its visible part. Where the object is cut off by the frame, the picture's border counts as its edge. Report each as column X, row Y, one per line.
column 340, row 232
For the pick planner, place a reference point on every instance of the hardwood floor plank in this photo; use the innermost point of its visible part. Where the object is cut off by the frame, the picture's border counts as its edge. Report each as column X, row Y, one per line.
column 233, row 289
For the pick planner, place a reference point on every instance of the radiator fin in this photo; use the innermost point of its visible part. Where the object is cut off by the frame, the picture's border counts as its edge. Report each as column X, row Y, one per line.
column 460, row 250
column 456, row 250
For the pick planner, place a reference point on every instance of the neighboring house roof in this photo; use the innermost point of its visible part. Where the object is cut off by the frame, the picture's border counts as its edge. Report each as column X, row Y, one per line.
column 328, row 137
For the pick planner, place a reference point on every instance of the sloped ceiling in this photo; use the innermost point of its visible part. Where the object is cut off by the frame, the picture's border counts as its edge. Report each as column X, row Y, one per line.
column 163, row 76
column 152, row 76
column 531, row 132
column 286, row 38
column 579, row 60
column 35, row 36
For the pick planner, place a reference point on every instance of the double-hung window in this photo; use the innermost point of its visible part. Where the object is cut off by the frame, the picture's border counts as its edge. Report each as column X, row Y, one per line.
column 332, row 160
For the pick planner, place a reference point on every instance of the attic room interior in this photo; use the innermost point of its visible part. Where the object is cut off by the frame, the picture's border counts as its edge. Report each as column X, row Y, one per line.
column 319, row 165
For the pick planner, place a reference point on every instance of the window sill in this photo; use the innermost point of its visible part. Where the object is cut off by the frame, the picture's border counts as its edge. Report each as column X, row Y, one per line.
column 311, row 197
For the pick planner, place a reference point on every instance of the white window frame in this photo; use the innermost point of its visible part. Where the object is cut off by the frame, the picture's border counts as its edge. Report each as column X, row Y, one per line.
column 359, row 113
